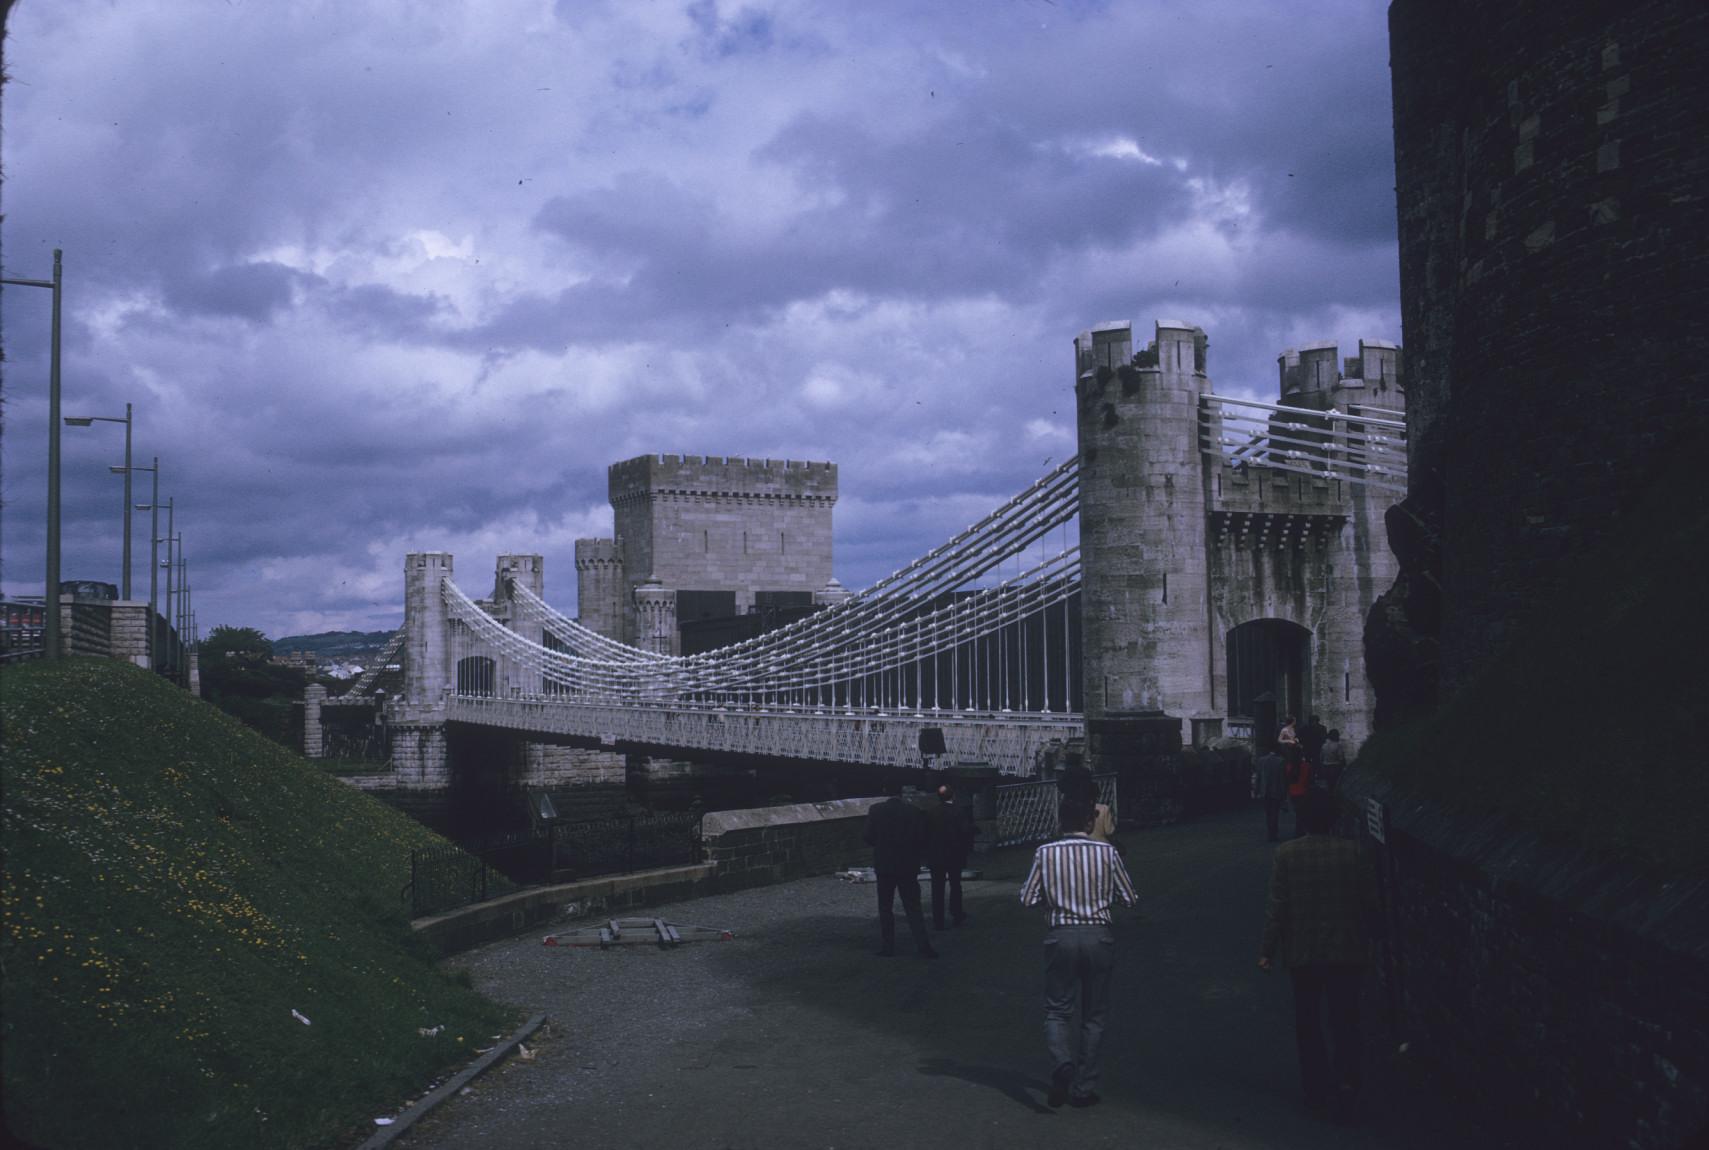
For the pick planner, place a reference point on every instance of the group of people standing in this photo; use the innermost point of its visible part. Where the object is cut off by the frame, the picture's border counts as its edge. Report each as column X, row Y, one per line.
column 1303, row 759
column 1319, row 918
column 902, row 837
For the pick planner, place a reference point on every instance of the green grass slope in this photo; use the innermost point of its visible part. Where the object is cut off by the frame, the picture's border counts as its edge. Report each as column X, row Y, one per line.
column 175, row 886
column 1589, row 728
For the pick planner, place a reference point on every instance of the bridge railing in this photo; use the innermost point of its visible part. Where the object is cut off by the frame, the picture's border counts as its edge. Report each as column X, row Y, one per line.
column 1365, row 446
column 1010, row 741
column 1027, row 812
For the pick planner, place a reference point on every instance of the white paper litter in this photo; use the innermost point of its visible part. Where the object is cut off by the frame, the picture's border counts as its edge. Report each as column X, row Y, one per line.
column 301, row 1019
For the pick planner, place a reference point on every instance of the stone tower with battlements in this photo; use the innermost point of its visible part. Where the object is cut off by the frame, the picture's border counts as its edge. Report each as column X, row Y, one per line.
column 1213, row 581
column 705, row 537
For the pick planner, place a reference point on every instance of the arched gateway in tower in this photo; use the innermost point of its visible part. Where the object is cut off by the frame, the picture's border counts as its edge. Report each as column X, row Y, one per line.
column 1231, row 548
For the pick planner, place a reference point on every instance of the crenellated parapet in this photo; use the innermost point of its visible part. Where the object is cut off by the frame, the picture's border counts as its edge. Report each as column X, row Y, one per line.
column 1316, row 376
column 720, row 477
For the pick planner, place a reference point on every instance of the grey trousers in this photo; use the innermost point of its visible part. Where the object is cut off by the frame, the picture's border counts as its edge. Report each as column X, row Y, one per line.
column 1078, row 962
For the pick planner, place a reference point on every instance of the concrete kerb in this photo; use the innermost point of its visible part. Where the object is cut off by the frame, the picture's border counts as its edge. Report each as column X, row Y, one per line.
column 387, row 1135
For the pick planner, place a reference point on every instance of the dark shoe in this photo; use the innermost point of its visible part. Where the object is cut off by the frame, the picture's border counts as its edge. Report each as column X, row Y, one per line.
column 937, row 926
column 1060, row 1079
column 1084, row 1100
column 887, row 953
column 928, row 953
column 962, row 919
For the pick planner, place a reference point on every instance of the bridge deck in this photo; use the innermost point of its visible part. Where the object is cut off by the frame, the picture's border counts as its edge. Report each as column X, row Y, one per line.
column 795, row 1035
column 1009, row 741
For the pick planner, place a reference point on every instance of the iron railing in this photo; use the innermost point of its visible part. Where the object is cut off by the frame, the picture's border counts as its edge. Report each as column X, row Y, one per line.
column 1026, row 812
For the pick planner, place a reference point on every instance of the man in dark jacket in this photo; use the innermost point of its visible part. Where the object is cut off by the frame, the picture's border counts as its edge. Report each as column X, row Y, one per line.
column 896, row 831
column 1272, row 788
column 1323, row 905
column 1312, row 738
column 949, row 836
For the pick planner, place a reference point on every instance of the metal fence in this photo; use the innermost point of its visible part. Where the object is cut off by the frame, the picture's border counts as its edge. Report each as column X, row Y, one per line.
column 621, row 845
column 445, row 877
column 1026, row 812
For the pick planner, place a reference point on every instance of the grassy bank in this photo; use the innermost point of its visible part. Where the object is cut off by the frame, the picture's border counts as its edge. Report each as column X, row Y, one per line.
column 1590, row 727
column 176, row 886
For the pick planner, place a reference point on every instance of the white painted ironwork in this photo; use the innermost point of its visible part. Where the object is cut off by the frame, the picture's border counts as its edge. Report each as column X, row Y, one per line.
column 1364, row 445
column 1027, row 812
column 363, row 687
column 834, row 686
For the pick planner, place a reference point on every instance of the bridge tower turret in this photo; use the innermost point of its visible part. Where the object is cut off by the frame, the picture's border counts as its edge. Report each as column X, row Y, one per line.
column 528, row 571
column 427, row 642
column 1142, row 524
column 655, row 618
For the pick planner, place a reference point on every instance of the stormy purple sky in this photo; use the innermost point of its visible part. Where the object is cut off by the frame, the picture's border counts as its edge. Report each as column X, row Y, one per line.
column 388, row 276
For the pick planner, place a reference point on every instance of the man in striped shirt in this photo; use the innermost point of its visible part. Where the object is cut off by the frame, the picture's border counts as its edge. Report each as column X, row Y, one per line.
column 1076, row 876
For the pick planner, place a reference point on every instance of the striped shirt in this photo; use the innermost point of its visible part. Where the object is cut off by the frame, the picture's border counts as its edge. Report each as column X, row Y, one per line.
column 1077, row 876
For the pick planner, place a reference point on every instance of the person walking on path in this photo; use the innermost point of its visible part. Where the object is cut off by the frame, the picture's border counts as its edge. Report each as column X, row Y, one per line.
column 896, row 831
column 1077, row 783
column 1076, row 877
column 1272, row 788
column 1296, row 768
column 949, row 838
column 1334, row 762
column 1323, row 896
column 1312, row 737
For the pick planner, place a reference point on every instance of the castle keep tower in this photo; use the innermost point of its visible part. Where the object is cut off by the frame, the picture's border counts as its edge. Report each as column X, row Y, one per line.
column 1216, row 577
column 701, row 537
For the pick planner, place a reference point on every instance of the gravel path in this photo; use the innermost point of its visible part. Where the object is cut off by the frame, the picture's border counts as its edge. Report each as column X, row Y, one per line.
column 795, row 1034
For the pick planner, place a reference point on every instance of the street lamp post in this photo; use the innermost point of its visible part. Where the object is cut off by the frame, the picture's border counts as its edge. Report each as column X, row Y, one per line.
column 87, row 421
column 153, row 508
column 183, row 616
column 50, row 620
column 169, row 540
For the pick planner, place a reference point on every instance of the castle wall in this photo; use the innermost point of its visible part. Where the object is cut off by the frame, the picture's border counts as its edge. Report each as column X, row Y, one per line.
column 1550, row 160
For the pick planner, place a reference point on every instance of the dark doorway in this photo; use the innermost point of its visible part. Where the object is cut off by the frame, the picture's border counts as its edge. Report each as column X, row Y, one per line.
column 1269, row 655
column 475, row 675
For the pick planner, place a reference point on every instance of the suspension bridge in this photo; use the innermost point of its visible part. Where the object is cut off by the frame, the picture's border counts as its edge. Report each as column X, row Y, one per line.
column 973, row 650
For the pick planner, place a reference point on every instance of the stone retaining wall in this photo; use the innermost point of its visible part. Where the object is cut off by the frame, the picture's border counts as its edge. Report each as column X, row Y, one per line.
column 1569, row 994
column 774, row 844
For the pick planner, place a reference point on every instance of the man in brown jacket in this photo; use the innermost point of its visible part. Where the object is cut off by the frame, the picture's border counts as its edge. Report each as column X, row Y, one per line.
column 1323, row 896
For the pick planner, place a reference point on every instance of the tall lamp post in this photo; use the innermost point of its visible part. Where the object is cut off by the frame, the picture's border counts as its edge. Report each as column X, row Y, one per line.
column 90, row 420
column 153, row 507
column 50, row 621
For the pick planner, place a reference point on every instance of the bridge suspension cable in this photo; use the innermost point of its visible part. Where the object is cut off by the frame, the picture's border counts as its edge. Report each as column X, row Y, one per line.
column 854, row 654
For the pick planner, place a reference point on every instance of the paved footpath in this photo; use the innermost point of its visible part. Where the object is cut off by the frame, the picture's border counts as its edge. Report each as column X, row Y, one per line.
column 796, row 1035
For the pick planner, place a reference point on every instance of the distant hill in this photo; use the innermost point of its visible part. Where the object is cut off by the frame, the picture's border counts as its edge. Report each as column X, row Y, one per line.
column 333, row 644
column 205, row 944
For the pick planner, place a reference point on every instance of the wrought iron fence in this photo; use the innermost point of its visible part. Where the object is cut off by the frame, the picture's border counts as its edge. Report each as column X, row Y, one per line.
column 1026, row 812
column 445, row 877
column 621, row 845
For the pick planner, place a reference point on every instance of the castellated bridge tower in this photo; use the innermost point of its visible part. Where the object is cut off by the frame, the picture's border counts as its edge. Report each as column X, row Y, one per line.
column 706, row 537
column 427, row 653
column 1225, row 580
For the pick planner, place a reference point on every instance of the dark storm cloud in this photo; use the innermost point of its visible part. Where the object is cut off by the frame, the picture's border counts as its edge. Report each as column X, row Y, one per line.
column 246, row 291
column 389, row 276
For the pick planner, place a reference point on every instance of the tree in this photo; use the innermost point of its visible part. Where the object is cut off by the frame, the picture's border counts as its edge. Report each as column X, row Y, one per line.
column 241, row 643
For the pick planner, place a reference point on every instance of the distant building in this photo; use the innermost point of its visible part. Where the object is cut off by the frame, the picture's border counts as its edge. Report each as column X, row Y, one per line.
column 704, row 538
